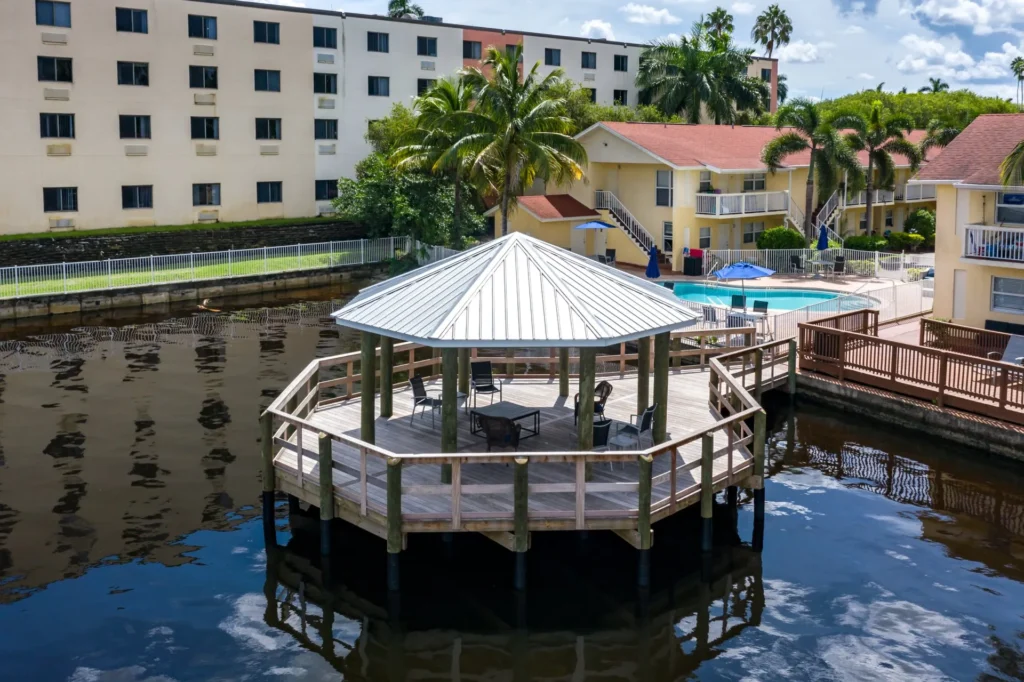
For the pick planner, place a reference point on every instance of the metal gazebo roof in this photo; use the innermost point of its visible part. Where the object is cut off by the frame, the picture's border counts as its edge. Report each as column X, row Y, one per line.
column 515, row 291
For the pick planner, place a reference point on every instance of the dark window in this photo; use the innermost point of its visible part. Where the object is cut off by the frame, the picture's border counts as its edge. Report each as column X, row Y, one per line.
column 266, row 32
column 205, row 128
column 326, row 190
column 56, row 125
column 510, row 50
column 766, row 75
column 663, row 188
column 376, row 42
column 134, row 127
column 620, row 97
column 268, row 81
column 325, row 37
column 137, row 196
column 132, row 73
column 268, row 129
column 206, row 195
column 380, row 86
column 132, row 20
column 202, row 77
column 269, row 192
column 53, row 13
column 471, row 49
column 325, row 128
column 593, row 94
column 202, row 27
column 589, row 60
column 552, row 56
column 424, row 84
column 55, row 69
column 325, row 83
column 621, row 62
column 426, row 47
column 60, row 199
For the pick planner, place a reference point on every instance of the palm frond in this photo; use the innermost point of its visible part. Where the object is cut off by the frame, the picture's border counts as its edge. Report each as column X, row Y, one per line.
column 775, row 152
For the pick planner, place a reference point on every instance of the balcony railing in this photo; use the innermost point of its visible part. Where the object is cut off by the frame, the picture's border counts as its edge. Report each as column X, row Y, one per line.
column 915, row 193
column 880, row 196
column 747, row 203
column 985, row 242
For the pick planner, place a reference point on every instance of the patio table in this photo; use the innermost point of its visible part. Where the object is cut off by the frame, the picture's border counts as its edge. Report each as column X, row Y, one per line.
column 508, row 411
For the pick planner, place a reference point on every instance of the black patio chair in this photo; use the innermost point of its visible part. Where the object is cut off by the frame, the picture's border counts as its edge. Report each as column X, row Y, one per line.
column 421, row 400
column 601, row 393
column 796, row 264
column 501, row 432
column 610, row 255
column 839, row 266
column 482, row 380
column 639, row 425
column 739, row 302
column 761, row 307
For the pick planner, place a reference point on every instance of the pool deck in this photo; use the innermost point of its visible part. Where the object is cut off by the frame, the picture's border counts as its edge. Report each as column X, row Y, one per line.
column 846, row 285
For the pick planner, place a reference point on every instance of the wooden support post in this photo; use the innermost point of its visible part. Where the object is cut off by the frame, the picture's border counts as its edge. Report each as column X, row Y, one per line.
column 643, row 523
column 563, row 372
column 367, row 389
column 394, row 486
column 643, row 374
column 791, row 378
column 758, row 374
column 661, row 387
column 707, row 490
column 464, row 371
column 269, row 478
column 520, row 507
column 676, row 345
column 387, row 379
column 585, row 422
column 449, row 408
column 326, row 462
column 760, row 425
column 510, row 363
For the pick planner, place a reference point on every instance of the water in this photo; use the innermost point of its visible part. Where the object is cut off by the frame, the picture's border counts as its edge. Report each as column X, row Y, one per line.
column 130, row 548
column 779, row 300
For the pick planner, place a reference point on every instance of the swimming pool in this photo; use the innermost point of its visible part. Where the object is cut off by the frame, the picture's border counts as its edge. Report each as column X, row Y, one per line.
column 779, row 300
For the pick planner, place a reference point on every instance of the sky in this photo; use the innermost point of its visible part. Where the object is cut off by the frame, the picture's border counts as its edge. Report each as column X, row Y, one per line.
column 837, row 46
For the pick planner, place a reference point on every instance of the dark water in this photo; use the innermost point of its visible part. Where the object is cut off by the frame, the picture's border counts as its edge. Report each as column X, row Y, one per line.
column 130, row 548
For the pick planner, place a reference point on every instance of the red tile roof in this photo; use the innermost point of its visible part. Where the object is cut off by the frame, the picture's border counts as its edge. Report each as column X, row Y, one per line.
column 720, row 147
column 556, row 207
column 975, row 155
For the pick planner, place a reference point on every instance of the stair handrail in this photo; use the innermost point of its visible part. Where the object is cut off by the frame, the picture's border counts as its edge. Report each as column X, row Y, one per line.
column 796, row 215
column 627, row 221
column 829, row 208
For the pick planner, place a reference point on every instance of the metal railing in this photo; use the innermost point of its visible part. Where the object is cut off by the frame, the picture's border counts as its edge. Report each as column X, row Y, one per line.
column 746, row 203
column 994, row 243
column 604, row 199
column 910, row 192
column 895, row 266
column 879, row 196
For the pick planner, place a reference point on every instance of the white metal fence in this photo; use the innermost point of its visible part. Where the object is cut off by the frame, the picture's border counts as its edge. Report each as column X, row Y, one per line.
column 894, row 266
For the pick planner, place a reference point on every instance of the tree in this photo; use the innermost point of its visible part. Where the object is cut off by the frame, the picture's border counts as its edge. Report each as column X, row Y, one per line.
column 783, row 88
column 401, row 8
column 957, row 108
column 1017, row 67
column 719, row 24
column 936, row 85
column 1011, row 171
column 938, row 135
column 585, row 113
column 878, row 88
column 700, row 75
column 385, row 134
column 830, row 155
column 880, row 134
column 517, row 133
column 772, row 29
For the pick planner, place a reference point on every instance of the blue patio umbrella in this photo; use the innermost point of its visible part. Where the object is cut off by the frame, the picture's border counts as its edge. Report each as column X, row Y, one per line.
column 653, row 271
column 822, row 238
column 742, row 271
column 593, row 225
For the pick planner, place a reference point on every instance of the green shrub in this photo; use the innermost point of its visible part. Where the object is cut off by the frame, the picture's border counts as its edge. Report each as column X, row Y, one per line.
column 865, row 242
column 861, row 267
column 904, row 241
column 781, row 238
column 922, row 222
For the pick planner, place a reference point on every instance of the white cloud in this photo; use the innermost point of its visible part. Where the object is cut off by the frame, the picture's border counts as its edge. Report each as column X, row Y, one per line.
column 945, row 58
column 596, row 28
column 853, row 29
column 742, row 8
column 800, row 51
column 645, row 14
column 865, row 76
column 975, row 13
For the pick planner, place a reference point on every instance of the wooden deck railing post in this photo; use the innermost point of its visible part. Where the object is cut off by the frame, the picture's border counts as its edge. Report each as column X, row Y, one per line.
column 394, row 489
column 894, row 362
column 940, row 399
column 326, row 463
column 1004, row 384
column 563, row 372
column 464, row 371
column 449, row 408
column 661, row 387
column 791, row 378
column 269, row 477
column 707, row 490
column 367, row 389
column 842, row 355
column 643, row 374
column 643, row 522
column 387, row 370
column 521, row 523
column 758, row 374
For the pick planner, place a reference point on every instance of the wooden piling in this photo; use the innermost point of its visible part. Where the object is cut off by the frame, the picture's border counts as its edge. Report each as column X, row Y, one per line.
column 643, row 376
column 707, row 490
column 387, row 369
column 563, row 372
column 661, row 386
column 643, row 523
column 367, row 388
column 585, row 422
column 269, row 477
column 760, row 425
column 520, row 507
column 464, row 371
column 326, row 463
column 449, row 407
column 394, row 490
column 791, row 378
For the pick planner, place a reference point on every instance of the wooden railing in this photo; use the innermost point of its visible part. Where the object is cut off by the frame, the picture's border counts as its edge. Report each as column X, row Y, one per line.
column 965, row 382
column 960, row 339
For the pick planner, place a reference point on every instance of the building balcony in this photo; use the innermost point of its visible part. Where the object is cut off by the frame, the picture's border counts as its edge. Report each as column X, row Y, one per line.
column 915, row 193
column 745, row 204
column 879, row 196
column 990, row 243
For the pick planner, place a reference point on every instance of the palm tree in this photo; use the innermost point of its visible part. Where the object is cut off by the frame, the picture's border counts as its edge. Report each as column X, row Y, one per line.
column 1011, row 171
column 700, row 76
column 783, row 88
column 880, row 134
column 878, row 88
column 438, row 128
column 807, row 130
column 719, row 23
column 1017, row 67
column 401, row 8
column 936, row 85
column 772, row 29
column 517, row 133
column 903, row 90
column 938, row 135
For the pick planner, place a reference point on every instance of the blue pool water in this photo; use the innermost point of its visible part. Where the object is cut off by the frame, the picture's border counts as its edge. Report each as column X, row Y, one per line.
column 779, row 300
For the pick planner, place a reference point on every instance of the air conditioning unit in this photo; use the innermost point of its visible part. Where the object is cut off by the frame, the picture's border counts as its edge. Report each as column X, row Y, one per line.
column 56, row 94
column 202, row 50
column 136, row 150
column 324, row 58
column 326, row 210
column 326, row 103
column 55, row 39
column 427, row 66
column 62, row 223
column 328, row 149
column 208, row 216
column 58, row 150
column 206, row 99
column 270, row 149
column 206, row 150
column 589, row 77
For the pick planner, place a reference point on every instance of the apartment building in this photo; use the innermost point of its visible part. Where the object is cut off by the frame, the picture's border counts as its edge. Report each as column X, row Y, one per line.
column 979, row 237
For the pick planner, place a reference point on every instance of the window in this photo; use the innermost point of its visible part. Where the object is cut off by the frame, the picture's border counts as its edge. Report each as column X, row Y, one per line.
column 620, row 97
column 55, row 69
column 1008, row 294
column 864, row 221
column 60, row 199
column 268, row 81
column 424, row 84
column 766, row 75
column 56, row 125
column 663, row 188
column 202, row 27
column 621, row 62
column 134, row 127
column 426, row 47
column 326, row 190
column 53, row 13
column 206, row 194
column 376, row 42
column 266, row 32
column 132, row 20
column 666, row 237
column 137, row 196
column 888, row 218
column 325, row 37
column 753, row 182
column 705, row 238
column 705, row 182
column 510, row 50
column 552, row 56
column 325, row 83
column 593, row 94
column 589, row 60
column 269, row 192
column 1009, row 207
column 325, row 128
column 132, row 73
column 750, row 232
column 380, row 86
column 205, row 128
column 268, row 129
column 471, row 49
column 202, row 77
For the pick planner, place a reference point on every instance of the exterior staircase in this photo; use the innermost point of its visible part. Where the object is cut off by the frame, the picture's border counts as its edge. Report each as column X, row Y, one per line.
column 626, row 221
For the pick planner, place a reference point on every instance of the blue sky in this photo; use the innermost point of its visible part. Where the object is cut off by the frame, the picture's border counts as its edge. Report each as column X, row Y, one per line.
column 838, row 46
